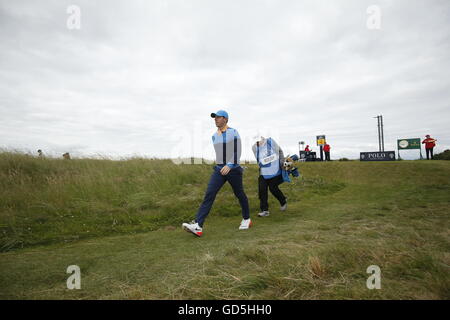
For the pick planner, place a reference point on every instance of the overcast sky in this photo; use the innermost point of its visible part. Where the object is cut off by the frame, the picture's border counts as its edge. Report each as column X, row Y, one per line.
column 142, row 77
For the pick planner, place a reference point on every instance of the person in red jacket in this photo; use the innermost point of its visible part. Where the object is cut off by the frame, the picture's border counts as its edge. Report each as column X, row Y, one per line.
column 429, row 145
column 307, row 149
column 326, row 149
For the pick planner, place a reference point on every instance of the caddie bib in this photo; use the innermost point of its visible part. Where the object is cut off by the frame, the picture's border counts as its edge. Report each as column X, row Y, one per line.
column 269, row 159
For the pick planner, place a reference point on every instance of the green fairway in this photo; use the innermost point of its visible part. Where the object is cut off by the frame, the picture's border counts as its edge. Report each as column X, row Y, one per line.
column 120, row 222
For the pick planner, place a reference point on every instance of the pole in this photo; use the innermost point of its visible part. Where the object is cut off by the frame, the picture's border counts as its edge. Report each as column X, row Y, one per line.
column 379, row 133
column 321, row 152
column 382, row 134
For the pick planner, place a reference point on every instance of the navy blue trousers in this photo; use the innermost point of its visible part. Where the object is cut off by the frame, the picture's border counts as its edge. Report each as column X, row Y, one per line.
column 234, row 178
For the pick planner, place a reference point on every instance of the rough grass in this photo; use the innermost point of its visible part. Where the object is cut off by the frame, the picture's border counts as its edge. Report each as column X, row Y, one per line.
column 120, row 222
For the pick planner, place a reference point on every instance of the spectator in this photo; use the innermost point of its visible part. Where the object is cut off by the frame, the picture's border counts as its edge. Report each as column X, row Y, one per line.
column 430, row 143
column 326, row 149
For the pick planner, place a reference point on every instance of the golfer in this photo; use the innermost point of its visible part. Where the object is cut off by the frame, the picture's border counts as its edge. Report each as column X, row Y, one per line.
column 227, row 144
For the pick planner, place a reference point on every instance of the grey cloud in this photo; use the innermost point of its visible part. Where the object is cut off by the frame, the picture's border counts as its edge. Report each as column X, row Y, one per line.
column 138, row 71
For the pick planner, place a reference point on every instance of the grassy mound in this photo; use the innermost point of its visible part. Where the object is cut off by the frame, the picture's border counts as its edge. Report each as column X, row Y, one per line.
column 442, row 156
column 119, row 221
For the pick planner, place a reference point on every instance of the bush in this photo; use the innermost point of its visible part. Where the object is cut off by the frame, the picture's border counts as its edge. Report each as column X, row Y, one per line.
column 443, row 155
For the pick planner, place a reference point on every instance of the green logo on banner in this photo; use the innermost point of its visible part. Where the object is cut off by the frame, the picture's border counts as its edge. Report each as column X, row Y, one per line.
column 404, row 144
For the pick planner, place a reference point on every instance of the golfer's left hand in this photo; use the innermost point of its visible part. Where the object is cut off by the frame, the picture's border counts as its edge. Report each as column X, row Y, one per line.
column 224, row 171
